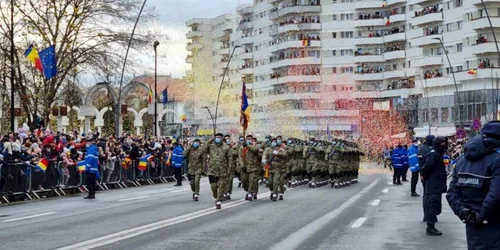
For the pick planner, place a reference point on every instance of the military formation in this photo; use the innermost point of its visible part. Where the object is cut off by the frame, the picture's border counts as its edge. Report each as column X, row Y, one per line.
column 277, row 163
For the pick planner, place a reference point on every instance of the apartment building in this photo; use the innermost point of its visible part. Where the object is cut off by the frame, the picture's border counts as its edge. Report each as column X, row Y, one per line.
column 310, row 64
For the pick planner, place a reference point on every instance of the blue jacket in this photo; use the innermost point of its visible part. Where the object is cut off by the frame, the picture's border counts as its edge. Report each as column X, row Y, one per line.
column 178, row 157
column 404, row 157
column 92, row 160
column 413, row 159
column 397, row 159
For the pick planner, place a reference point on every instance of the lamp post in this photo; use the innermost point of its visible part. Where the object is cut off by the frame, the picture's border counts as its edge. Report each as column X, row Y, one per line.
column 454, row 80
column 220, row 87
column 12, row 69
column 155, row 46
column 211, row 117
column 118, row 102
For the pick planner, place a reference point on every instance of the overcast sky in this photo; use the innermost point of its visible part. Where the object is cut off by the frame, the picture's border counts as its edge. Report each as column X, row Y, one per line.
column 172, row 15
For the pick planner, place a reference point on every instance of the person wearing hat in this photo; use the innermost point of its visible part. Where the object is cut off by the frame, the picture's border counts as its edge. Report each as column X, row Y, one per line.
column 196, row 163
column 474, row 193
column 434, row 173
column 251, row 167
column 414, row 166
column 424, row 150
column 218, row 151
column 91, row 167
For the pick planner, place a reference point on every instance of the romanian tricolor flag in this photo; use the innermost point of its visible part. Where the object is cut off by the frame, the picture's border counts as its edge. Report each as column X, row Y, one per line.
column 32, row 55
column 245, row 109
column 384, row 3
column 126, row 162
column 80, row 166
column 42, row 165
column 143, row 162
column 150, row 96
column 472, row 72
column 183, row 118
column 387, row 20
column 306, row 42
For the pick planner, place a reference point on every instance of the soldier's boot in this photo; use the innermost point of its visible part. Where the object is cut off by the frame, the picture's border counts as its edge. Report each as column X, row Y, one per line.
column 224, row 197
column 280, row 197
column 218, row 204
column 195, row 197
column 289, row 184
column 336, row 186
column 261, row 182
column 348, row 183
column 228, row 196
column 254, row 196
column 274, row 197
column 312, row 185
column 248, row 197
column 267, row 184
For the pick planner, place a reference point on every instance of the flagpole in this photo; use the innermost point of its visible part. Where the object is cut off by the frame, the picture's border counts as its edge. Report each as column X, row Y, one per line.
column 12, row 72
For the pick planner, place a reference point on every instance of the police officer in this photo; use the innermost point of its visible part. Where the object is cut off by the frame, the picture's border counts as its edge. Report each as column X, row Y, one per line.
column 91, row 167
column 434, row 173
column 422, row 153
column 414, row 167
column 474, row 194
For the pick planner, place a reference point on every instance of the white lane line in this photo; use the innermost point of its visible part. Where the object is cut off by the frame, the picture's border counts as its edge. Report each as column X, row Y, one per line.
column 180, row 190
column 29, row 217
column 358, row 222
column 389, row 183
column 134, row 198
column 294, row 240
column 129, row 233
column 385, row 191
column 375, row 202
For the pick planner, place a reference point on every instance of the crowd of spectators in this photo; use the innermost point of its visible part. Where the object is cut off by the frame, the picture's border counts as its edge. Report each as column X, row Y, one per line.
column 432, row 74
column 428, row 10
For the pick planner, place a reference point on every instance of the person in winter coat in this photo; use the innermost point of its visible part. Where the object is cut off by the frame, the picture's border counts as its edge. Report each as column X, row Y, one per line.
column 414, row 167
column 397, row 163
column 178, row 163
column 434, row 173
column 91, row 167
column 406, row 164
column 424, row 150
column 474, row 194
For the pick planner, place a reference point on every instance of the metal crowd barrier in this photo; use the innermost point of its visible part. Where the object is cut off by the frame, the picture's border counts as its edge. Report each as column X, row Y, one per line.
column 23, row 181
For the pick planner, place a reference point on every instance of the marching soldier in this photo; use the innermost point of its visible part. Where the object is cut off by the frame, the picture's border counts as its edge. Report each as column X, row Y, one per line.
column 196, row 162
column 275, row 162
column 218, row 151
column 233, row 159
column 251, row 166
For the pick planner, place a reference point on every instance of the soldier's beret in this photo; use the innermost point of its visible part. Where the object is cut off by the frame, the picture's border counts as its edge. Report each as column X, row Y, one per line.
column 219, row 134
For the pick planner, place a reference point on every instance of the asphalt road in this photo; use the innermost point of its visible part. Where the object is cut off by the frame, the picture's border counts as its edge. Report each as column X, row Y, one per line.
column 372, row 214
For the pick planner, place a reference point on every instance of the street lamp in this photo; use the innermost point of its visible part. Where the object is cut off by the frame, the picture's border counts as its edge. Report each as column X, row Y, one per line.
column 155, row 46
column 454, row 80
column 211, row 117
column 220, row 87
column 118, row 103
column 12, row 72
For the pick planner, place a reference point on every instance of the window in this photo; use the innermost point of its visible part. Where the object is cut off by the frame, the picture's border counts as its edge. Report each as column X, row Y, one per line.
column 346, row 34
column 334, row 70
column 449, row 27
column 334, row 17
column 458, row 3
column 448, row 5
column 459, row 25
column 445, row 115
column 460, row 68
column 459, row 47
column 334, row 52
column 334, row 34
column 434, row 115
column 345, row 17
column 425, row 116
column 346, row 52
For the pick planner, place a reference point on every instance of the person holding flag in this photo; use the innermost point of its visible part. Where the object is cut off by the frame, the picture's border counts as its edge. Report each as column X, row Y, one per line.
column 251, row 167
column 91, row 167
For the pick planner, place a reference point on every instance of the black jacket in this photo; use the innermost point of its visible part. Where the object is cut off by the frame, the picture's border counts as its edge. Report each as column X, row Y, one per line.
column 476, row 180
column 422, row 152
column 434, row 172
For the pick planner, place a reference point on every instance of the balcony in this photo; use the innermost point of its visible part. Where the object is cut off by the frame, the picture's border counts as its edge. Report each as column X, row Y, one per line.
column 195, row 21
column 486, row 73
column 369, row 22
column 482, row 23
column 369, row 77
column 395, row 37
column 438, row 82
column 392, row 55
column 368, row 40
column 298, row 44
column 484, row 48
column 369, row 58
column 299, row 27
column 428, row 61
column 393, row 2
column 429, row 18
column 398, row 18
column 295, row 10
column 395, row 74
column 300, row 78
column 478, row 2
column 191, row 46
column 376, row 4
column 189, row 59
column 395, row 93
column 419, row 2
column 245, row 25
column 246, row 40
column 245, row 56
column 192, row 34
column 247, row 71
column 246, row 10
column 425, row 41
column 298, row 61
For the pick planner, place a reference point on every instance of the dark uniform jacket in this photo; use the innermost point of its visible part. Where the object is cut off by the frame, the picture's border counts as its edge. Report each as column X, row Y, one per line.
column 434, row 172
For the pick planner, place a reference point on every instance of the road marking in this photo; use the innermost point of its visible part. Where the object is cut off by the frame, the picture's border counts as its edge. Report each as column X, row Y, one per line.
column 385, row 191
column 358, row 222
column 129, row 233
column 134, row 198
column 180, row 190
column 29, row 217
column 294, row 240
column 375, row 202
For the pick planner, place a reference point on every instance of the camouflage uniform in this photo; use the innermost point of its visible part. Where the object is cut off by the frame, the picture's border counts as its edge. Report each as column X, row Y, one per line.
column 311, row 153
column 279, row 157
column 233, row 161
column 196, row 164
column 321, row 164
column 219, row 165
column 251, row 166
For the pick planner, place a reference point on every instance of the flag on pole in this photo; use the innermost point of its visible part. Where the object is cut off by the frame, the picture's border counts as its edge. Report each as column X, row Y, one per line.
column 42, row 165
column 49, row 62
column 384, row 3
column 472, row 72
column 150, row 96
column 165, row 95
column 245, row 109
column 328, row 131
column 80, row 166
column 388, row 20
column 32, row 55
